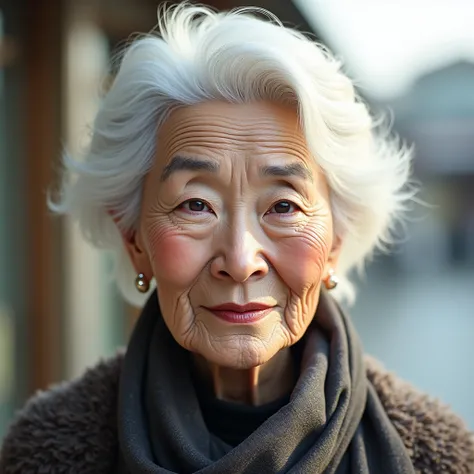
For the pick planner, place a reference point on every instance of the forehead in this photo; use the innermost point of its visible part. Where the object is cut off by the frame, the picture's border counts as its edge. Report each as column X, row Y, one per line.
column 220, row 127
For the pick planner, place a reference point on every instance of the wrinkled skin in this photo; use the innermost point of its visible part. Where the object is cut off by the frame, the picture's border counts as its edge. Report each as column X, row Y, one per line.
column 227, row 232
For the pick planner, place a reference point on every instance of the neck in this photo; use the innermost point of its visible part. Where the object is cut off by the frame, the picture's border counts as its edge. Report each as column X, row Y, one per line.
column 254, row 386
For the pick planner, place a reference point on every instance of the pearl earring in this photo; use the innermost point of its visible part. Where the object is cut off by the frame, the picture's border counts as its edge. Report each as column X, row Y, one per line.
column 141, row 283
column 332, row 280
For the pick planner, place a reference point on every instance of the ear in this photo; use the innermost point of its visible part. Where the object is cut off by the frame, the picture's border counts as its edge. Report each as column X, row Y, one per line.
column 333, row 258
column 134, row 245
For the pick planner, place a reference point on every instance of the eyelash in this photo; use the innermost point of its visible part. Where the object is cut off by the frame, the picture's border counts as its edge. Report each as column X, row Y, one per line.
column 210, row 211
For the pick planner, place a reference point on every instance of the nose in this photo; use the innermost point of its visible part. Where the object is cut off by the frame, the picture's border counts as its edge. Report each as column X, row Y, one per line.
column 242, row 258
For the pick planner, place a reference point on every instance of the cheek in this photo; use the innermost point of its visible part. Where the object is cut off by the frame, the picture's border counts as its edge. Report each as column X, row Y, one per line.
column 300, row 260
column 176, row 259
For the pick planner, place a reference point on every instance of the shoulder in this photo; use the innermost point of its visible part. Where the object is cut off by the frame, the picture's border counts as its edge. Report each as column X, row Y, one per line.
column 69, row 428
column 437, row 440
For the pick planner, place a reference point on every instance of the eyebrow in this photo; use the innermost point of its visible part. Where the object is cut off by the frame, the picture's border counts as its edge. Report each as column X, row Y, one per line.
column 292, row 169
column 182, row 163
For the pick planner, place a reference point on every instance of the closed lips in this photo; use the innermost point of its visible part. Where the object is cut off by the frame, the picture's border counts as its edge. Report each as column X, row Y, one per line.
column 241, row 314
column 240, row 308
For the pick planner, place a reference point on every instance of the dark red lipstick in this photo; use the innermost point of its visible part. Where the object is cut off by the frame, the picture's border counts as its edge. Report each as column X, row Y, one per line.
column 237, row 313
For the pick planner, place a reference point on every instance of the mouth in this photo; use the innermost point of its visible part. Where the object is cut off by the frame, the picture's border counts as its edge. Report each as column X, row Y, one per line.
column 241, row 314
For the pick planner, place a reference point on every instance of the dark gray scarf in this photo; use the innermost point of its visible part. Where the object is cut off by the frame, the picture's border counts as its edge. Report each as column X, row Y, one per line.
column 334, row 422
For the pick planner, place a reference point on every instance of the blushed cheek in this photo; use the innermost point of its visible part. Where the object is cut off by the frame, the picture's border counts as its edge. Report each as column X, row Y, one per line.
column 177, row 260
column 300, row 264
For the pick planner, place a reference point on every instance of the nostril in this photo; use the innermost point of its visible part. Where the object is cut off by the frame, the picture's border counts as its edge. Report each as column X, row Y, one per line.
column 223, row 273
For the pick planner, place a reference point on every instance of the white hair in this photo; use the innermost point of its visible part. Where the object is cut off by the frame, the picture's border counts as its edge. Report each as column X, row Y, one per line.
column 237, row 56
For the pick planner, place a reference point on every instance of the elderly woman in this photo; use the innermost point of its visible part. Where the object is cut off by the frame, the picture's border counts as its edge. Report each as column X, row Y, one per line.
column 232, row 165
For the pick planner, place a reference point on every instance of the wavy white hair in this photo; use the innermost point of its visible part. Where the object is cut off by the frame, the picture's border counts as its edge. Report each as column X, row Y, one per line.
column 238, row 56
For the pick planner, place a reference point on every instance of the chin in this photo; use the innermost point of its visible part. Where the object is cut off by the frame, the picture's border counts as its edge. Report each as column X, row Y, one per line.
column 245, row 352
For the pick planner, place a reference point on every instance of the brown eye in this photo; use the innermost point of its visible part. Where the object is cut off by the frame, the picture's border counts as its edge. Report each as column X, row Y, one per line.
column 283, row 207
column 195, row 205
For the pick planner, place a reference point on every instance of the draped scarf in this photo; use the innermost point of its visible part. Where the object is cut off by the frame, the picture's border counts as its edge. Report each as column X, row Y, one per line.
column 333, row 423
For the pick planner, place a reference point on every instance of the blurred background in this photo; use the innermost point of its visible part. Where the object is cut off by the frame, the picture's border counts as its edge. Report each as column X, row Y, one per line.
column 412, row 58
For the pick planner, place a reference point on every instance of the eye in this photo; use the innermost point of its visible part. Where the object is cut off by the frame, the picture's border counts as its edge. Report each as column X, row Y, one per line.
column 195, row 205
column 283, row 207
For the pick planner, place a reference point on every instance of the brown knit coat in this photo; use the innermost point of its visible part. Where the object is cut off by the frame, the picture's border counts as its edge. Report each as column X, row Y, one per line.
column 72, row 427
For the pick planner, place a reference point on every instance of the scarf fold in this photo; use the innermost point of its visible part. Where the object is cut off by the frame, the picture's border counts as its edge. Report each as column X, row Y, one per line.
column 333, row 423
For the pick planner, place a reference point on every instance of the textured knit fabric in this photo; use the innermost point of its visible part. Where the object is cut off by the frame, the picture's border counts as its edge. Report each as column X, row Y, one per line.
column 72, row 428
column 334, row 422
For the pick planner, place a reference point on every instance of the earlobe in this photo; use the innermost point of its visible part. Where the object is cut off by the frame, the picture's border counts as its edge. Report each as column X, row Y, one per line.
column 330, row 278
column 334, row 253
column 137, row 254
column 136, row 251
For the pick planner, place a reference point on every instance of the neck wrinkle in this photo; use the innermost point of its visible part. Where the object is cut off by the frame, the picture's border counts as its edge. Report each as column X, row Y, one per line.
column 255, row 386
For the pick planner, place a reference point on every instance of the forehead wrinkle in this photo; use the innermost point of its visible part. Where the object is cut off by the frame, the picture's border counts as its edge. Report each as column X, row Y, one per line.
column 228, row 130
column 203, row 131
column 284, row 150
column 214, row 137
column 236, row 120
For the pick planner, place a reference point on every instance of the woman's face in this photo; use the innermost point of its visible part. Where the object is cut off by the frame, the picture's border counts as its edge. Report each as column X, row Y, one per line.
column 235, row 212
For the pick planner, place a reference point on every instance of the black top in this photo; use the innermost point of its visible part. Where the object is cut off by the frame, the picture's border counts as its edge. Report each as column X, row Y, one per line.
column 233, row 422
